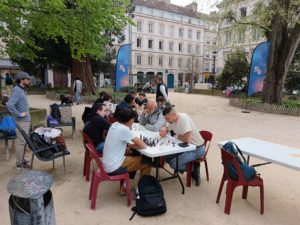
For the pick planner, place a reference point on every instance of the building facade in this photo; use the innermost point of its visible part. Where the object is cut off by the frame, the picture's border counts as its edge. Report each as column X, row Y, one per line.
column 170, row 40
column 233, row 36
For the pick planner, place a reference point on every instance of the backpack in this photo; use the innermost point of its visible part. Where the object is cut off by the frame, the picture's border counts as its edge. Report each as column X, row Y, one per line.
column 55, row 112
column 248, row 171
column 8, row 126
column 150, row 199
column 9, row 81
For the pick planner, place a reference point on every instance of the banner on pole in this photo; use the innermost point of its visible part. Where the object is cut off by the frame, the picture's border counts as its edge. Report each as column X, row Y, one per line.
column 258, row 68
column 122, row 66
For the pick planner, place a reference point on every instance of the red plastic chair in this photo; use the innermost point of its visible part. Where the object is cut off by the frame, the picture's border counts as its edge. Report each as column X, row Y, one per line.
column 232, row 184
column 99, row 175
column 207, row 136
column 87, row 158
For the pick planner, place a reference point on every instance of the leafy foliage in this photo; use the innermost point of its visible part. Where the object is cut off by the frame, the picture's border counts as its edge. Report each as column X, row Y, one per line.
column 292, row 82
column 235, row 70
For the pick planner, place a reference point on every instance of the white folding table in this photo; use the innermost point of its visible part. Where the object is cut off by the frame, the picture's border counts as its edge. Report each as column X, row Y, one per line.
column 268, row 151
column 165, row 146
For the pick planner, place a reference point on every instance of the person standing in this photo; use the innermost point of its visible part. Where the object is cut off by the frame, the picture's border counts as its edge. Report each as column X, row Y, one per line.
column 18, row 106
column 77, row 87
column 161, row 89
column 9, row 83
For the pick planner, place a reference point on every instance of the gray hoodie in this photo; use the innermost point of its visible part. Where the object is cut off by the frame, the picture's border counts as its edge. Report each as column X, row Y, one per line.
column 154, row 121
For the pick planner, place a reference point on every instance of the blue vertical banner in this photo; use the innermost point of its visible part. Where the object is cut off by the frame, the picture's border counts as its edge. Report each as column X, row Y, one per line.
column 258, row 68
column 122, row 66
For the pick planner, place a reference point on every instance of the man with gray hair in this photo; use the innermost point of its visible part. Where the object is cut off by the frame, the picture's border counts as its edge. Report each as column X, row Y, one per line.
column 152, row 117
column 18, row 106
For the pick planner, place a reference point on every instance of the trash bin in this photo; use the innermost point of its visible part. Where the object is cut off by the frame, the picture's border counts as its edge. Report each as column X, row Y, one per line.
column 31, row 201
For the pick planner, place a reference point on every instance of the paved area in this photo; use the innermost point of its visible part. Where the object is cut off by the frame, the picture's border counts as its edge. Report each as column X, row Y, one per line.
column 197, row 206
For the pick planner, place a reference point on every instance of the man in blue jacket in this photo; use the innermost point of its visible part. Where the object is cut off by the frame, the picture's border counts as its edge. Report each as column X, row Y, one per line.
column 18, row 106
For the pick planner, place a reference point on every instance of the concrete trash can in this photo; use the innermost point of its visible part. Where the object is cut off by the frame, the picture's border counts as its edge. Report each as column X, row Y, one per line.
column 31, row 201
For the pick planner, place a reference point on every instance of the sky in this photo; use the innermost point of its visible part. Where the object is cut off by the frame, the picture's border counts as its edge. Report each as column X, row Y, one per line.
column 204, row 6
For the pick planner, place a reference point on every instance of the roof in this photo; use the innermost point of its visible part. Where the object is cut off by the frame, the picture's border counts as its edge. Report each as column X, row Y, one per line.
column 155, row 4
column 6, row 63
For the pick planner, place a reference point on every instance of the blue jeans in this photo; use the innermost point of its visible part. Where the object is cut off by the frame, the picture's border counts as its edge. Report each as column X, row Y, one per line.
column 100, row 147
column 184, row 158
column 77, row 97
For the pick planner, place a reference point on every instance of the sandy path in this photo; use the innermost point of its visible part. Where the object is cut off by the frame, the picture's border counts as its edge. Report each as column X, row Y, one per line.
column 282, row 193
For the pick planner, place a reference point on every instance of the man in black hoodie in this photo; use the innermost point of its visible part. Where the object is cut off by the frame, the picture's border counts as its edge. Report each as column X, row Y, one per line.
column 96, row 126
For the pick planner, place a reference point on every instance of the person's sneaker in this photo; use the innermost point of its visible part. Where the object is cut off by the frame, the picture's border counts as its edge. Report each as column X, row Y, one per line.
column 26, row 165
column 196, row 174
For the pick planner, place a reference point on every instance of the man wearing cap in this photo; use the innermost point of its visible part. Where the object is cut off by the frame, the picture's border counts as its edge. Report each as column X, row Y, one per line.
column 18, row 105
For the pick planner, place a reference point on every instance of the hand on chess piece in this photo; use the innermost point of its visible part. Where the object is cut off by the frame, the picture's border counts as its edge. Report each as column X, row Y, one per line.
column 163, row 132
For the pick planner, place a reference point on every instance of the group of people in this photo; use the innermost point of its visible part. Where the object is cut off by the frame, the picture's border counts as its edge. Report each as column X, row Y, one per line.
column 118, row 143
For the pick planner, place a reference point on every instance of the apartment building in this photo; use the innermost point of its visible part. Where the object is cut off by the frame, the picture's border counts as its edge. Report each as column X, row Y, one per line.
column 232, row 36
column 170, row 40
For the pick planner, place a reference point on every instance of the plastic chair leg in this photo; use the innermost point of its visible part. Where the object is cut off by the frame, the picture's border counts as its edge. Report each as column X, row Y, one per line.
column 189, row 174
column 245, row 192
column 261, row 199
column 230, row 189
column 221, row 188
column 206, row 169
column 94, row 192
column 90, row 194
column 128, row 191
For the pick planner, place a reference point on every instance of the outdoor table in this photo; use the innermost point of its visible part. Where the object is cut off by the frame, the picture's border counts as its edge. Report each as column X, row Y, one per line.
column 268, row 151
column 165, row 146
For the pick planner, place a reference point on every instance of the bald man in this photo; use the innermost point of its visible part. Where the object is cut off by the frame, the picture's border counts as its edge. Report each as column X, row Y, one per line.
column 152, row 117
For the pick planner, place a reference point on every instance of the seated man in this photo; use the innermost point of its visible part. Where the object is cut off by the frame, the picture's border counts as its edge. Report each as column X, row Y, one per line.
column 96, row 126
column 127, row 103
column 161, row 102
column 152, row 117
column 141, row 99
column 118, row 138
column 185, row 131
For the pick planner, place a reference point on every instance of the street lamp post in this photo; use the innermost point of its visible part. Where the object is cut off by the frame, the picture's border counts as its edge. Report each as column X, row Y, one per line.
column 214, row 55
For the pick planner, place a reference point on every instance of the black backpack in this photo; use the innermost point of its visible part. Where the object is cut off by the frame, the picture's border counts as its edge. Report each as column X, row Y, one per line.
column 150, row 199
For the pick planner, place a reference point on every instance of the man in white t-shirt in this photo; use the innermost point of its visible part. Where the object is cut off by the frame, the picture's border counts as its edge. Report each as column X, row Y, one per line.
column 185, row 131
column 119, row 140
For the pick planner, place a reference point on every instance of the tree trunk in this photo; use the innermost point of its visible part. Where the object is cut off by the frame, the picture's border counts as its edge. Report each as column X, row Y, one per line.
column 282, row 51
column 83, row 70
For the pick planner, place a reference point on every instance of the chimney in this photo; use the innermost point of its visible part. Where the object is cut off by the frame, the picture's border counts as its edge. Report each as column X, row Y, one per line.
column 193, row 6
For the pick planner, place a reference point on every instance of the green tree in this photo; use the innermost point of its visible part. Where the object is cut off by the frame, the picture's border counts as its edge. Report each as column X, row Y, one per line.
column 280, row 22
column 235, row 70
column 85, row 27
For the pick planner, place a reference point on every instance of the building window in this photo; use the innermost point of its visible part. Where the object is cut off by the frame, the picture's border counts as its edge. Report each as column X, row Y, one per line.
column 180, row 47
column 160, row 61
column 190, row 20
column 207, row 40
column 214, row 41
column 198, row 35
column 139, row 42
column 150, row 44
column 150, row 59
column 161, row 29
column 180, row 62
column 197, row 49
column 227, row 38
column 171, row 46
column 139, row 26
column 197, row 63
column 189, row 63
column 206, row 67
column 161, row 14
column 161, row 45
column 255, row 34
column 241, row 36
column 150, row 27
column 170, row 61
column 190, row 34
column 207, row 55
column 243, row 12
column 138, row 59
column 189, row 48
column 180, row 32
column 171, row 31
